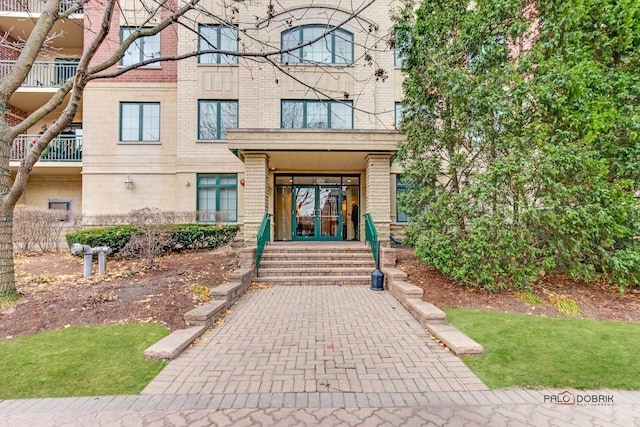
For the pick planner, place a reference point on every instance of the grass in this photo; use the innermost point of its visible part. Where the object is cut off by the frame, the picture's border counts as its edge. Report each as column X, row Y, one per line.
column 79, row 361
column 537, row 351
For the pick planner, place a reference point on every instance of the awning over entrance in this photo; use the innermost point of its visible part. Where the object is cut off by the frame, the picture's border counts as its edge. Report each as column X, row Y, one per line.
column 313, row 149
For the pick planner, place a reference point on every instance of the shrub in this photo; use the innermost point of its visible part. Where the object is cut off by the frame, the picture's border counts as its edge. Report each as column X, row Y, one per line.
column 132, row 241
column 115, row 237
column 37, row 227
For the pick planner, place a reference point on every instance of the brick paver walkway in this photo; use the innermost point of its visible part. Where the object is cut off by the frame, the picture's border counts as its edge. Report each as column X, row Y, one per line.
column 337, row 339
column 330, row 356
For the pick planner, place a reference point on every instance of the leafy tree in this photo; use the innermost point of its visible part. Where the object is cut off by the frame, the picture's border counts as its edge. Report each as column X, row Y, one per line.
column 522, row 138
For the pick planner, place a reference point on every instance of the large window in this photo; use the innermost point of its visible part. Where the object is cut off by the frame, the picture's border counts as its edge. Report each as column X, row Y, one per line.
column 401, row 188
column 217, row 198
column 215, row 117
column 317, row 114
column 218, row 37
column 335, row 48
column 141, row 49
column 139, row 121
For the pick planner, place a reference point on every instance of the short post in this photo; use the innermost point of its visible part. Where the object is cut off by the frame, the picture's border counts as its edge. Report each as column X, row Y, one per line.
column 88, row 261
column 88, row 251
column 102, row 263
column 377, row 277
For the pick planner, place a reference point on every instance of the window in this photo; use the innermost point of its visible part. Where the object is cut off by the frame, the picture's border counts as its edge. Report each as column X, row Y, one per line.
column 398, row 114
column 217, row 198
column 335, row 48
column 317, row 114
column 63, row 205
column 139, row 121
column 217, row 37
column 215, row 117
column 401, row 188
column 141, row 49
column 400, row 46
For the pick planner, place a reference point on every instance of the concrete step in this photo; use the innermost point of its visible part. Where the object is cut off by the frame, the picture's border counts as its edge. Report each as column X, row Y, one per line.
column 314, row 271
column 316, row 255
column 313, row 280
column 328, row 263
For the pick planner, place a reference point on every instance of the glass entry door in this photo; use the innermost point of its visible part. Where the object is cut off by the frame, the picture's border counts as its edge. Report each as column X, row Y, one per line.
column 317, row 212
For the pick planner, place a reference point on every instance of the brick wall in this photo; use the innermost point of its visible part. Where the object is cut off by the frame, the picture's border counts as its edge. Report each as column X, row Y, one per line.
column 15, row 116
column 167, row 72
column 7, row 49
column 378, row 194
column 256, row 194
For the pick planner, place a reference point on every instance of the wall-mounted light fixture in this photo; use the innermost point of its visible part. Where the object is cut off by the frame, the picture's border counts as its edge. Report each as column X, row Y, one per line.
column 128, row 183
column 242, row 182
column 44, row 127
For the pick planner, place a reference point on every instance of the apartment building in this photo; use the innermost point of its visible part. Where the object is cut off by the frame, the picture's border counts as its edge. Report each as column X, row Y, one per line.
column 305, row 138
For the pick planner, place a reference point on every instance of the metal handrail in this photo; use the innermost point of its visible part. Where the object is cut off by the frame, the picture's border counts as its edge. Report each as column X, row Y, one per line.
column 45, row 74
column 60, row 149
column 371, row 236
column 264, row 237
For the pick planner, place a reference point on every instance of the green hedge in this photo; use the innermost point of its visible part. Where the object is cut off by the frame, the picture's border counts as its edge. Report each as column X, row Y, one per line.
column 175, row 238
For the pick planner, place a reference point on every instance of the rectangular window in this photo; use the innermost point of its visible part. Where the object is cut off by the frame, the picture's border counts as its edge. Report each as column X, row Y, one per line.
column 141, row 49
column 217, row 37
column 317, row 115
column 63, row 205
column 215, row 117
column 398, row 114
column 336, row 47
column 139, row 121
column 217, row 198
column 401, row 188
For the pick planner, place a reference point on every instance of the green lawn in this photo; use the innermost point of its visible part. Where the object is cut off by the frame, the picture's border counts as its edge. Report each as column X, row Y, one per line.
column 537, row 351
column 79, row 361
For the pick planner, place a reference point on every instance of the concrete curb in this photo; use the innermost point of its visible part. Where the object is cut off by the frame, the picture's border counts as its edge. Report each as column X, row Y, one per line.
column 429, row 316
column 202, row 316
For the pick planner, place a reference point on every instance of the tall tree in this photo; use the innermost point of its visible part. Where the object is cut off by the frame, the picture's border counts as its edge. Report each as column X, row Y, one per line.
column 521, row 122
column 92, row 66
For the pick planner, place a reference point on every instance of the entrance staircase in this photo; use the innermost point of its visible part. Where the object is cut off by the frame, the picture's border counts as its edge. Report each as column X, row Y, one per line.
column 304, row 263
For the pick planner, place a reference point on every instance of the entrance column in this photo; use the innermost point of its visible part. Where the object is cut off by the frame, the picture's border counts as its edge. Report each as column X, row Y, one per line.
column 256, row 194
column 378, row 194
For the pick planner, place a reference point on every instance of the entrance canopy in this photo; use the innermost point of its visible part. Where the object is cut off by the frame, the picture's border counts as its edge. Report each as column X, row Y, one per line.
column 313, row 149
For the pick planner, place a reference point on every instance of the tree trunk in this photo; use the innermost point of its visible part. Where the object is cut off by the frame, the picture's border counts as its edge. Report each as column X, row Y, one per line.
column 7, row 278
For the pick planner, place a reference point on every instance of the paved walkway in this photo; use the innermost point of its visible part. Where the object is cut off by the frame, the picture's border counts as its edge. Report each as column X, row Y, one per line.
column 323, row 356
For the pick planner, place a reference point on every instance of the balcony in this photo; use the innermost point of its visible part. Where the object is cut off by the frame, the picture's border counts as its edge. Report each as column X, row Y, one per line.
column 32, row 6
column 61, row 149
column 44, row 74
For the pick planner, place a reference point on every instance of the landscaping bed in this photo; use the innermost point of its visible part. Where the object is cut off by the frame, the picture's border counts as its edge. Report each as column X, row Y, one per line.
column 56, row 294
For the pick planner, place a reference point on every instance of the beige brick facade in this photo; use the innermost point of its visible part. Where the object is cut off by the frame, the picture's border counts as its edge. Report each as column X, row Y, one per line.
column 165, row 172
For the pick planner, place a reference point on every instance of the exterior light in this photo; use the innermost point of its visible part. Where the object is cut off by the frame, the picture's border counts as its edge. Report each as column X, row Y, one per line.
column 128, row 183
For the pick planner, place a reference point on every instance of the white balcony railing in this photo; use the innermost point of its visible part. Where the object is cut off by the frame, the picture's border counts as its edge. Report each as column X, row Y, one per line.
column 43, row 73
column 61, row 149
column 33, row 6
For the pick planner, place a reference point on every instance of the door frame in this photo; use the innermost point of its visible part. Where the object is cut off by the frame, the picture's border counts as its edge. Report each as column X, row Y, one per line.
column 317, row 214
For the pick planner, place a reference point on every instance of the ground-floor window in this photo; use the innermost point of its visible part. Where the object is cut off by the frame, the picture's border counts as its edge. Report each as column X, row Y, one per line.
column 401, row 188
column 217, row 198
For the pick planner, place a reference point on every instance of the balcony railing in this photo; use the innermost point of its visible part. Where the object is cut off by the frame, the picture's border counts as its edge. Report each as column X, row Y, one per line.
column 44, row 73
column 61, row 149
column 33, row 6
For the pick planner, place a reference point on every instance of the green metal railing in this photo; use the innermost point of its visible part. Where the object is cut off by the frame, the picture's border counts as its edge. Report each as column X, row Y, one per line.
column 264, row 237
column 60, row 149
column 371, row 236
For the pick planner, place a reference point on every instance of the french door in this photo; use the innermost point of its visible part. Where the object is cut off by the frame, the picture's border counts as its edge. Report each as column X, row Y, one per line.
column 317, row 212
